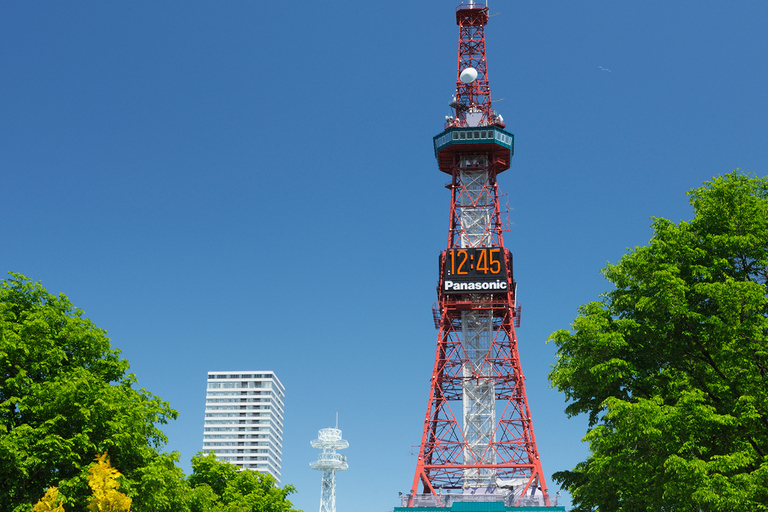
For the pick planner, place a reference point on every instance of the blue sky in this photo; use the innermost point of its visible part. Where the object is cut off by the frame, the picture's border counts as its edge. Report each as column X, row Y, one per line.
column 251, row 185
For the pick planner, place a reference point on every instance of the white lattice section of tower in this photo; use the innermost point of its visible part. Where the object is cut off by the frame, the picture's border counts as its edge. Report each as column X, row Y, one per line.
column 328, row 461
column 478, row 401
column 474, row 207
column 475, row 214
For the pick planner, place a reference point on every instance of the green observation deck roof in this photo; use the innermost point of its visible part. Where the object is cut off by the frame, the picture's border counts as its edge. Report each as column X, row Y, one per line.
column 475, row 136
column 493, row 141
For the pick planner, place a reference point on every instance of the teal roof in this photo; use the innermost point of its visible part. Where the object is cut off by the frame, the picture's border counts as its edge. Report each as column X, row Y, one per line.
column 473, row 135
column 478, row 507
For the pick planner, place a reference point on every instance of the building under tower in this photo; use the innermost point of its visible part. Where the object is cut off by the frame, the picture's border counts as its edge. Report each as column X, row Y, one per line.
column 244, row 419
column 478, row 450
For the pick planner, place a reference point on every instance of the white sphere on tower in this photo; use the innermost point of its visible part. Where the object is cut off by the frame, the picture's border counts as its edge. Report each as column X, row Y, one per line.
column 468, row 75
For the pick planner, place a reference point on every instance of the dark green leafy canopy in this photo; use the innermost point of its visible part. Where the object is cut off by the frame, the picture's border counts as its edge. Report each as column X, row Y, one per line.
column 220, row 487
column 64, row 397
column 672, row 365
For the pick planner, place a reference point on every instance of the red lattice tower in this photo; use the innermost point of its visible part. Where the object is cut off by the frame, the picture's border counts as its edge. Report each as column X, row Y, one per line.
column 478, row 435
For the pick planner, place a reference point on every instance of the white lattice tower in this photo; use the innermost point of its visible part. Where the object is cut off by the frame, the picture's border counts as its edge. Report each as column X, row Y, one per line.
column 474, row 213
column 329, row 462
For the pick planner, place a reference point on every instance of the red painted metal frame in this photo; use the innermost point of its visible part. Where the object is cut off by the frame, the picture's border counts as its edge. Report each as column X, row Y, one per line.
column 475, row 96
column 441, row 459
column 458, row 195
column 443, row 449
column 441, row 455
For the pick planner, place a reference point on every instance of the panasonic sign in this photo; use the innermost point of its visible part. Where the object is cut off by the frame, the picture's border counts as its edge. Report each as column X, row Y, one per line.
column 474, row 286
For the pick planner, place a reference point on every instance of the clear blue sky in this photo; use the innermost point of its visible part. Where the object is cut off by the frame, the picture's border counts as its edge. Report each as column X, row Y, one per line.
column 251, row 185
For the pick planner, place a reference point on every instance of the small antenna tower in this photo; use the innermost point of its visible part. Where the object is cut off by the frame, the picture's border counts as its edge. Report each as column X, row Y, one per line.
column 329, row 462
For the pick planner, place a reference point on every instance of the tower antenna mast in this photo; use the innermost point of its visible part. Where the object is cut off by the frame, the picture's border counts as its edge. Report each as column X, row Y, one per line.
column 329, row 462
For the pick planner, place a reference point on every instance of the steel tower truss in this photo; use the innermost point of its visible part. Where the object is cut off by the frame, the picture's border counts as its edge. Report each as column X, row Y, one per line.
column 329, row 462
column 478, row 435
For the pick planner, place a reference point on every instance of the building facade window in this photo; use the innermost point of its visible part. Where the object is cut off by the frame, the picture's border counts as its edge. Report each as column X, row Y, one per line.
column 252, row 398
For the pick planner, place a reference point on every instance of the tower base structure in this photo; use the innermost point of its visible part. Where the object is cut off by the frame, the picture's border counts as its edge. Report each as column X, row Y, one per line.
column 474, row 506
column 477, row 499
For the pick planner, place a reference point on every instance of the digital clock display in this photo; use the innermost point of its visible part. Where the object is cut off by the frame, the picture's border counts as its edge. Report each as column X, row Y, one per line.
column 474, row 270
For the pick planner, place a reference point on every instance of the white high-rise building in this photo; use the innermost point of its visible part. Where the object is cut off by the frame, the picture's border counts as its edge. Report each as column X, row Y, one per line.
column 244, row 419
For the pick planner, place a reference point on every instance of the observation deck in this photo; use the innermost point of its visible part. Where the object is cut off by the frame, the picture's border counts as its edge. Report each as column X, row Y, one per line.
column 499, row 144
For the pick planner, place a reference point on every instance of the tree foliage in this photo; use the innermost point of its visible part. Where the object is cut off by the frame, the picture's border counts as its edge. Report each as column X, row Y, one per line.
column 50, row 502
column 103, row 482
column 671, row 366
column 220, row 487
column 213, row 486
column 65, row 395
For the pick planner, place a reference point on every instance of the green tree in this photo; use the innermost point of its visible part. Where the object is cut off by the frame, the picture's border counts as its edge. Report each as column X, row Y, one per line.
column 671, row 366
column 220, row 487
column 65, row 395
column 160, row 486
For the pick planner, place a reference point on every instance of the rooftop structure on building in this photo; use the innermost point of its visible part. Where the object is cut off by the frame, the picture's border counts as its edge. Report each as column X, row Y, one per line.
column 244, row 419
